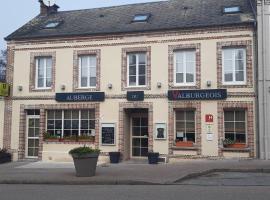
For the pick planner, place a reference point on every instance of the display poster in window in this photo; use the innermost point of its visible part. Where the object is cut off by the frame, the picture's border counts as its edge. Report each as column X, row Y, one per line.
column 108, row 134
column 161, row 131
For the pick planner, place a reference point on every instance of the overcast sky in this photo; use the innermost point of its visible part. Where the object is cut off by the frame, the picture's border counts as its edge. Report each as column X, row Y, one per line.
column 15, row 13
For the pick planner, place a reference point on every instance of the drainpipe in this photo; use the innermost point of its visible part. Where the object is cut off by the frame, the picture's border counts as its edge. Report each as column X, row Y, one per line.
column 265, row 136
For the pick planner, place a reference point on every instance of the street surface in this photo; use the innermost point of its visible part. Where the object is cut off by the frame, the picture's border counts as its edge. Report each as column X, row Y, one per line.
column 169, row 192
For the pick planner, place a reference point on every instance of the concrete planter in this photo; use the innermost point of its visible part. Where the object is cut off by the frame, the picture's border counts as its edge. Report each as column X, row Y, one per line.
column 153, row 157
column 85, row 165
column 5, row 157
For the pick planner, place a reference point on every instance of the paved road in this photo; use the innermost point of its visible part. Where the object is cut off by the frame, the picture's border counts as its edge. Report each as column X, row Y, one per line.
column 173, row 192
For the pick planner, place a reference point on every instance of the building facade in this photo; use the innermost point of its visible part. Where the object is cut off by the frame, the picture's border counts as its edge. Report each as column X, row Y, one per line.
column 184, row 88
column 263, row 8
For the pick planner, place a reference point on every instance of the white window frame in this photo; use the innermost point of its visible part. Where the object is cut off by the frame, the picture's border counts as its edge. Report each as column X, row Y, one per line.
column 88, row 72
column 234, row 82
column 137, row 70
column 27, row 136
column 185, row 69
column 45, row 73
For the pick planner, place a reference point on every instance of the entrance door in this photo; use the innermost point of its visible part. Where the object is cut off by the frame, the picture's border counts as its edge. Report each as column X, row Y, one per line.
column 32, row 138
column 139, row 136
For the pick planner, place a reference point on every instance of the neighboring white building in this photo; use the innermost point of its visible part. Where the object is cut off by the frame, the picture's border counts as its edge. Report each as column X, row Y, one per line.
column 263, row 9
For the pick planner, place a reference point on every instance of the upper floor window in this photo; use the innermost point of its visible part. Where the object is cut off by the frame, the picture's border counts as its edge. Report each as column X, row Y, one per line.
column 234, row 66
column 88, row 75
column 43, row 72
column 136, row 69
column 185, row 68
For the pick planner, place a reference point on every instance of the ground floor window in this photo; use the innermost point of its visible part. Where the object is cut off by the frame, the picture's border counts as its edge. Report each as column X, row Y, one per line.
column 235, row 125
column 185, row 125
column 69, row 123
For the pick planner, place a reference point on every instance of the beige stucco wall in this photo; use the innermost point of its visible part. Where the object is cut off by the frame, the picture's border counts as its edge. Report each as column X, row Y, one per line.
column 111, row 62
column 1, row 121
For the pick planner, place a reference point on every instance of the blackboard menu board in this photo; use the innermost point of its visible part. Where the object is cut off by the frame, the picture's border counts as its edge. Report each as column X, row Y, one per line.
column 108, row 134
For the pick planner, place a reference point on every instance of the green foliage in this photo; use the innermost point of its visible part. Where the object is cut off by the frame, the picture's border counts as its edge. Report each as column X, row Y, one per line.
column 47, row 135
column 83, row 150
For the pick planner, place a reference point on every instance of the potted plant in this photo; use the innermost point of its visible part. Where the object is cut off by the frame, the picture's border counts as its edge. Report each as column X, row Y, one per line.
column 153, row 157
column 228, row 143
column 114, row 157
column 69, row 138
column 85, row 160
column 50, row 138
column 184, row 143
column 86, row 138
column 4, row 156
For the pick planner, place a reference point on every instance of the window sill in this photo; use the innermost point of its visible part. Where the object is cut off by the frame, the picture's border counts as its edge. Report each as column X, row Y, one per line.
column 67, row 142
column 194, row 148
column 247, row 149
column 137, row 88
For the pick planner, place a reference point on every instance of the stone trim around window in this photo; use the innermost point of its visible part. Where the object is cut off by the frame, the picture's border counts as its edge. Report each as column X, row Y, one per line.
column 125, row 51
column 172, row 49
column 185, row 105
column 247, row 44
column 249, row 107
column 121, row 136
column 32, row 81
column 76, row 54
column 43, row 109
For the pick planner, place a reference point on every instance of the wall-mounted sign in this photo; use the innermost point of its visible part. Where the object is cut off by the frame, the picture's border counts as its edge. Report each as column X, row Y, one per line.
column 217, row 94
column 108, row 134
column 209, row 136
column 77, row 97
column 161, row 132
column 209, row 118
column 135, row 96
column 4, row 89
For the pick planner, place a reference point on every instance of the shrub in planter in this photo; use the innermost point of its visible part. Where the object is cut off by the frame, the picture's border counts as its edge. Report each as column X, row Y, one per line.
column 86, row 138
column 4, row 156
column 50, row 138
column 85, row 160
column 153, row 157
column 114, row 157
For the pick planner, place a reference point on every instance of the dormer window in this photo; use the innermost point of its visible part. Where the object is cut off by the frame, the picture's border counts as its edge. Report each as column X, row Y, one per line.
column 141, row 18
column 231, row 9
column 52, row 25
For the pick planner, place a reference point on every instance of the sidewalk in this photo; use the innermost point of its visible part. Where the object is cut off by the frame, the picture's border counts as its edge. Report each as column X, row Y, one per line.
column 123, row 173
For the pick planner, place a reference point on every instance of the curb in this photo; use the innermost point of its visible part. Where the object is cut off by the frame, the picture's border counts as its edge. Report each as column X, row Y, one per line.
column 203, row 173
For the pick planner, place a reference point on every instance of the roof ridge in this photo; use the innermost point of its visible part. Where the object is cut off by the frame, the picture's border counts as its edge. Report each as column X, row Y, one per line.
column 109, row 7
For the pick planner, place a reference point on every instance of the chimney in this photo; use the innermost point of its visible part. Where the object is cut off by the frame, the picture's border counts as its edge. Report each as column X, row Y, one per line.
column 46, row 10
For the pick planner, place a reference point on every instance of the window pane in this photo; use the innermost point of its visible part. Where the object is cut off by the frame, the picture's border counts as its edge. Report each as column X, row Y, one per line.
column 239, row 54
column 179, row 57
column 93, row 72
column 40, row 82
column 241, row 138
column 179, row 78
column 190, row 115
column 180, row 115
column 229, row 126
column 132, row 80
column 190, row 56
column 180, row 67
column 84, row 124
column 136, row 131
column 180, row 126
column 31, row 132
column 190, row 127
column 228, row 76
column 93, row 81
column 189, row 78
column 84, row 61
column 58, row 114
column 240, row 116
column 84, row 82
column 228, row 65
column 75, row 114
column 230, row 136
column 48, row 82
column 75, row 124
column 144, row 121
column 239, row 76
column 92, row 114
column 240, row 127
column 142, row 58
column 239, row 65
column 142, row 70
column 190, row 137
column 93, row 61
column 58, row 124
column 142, row 80
column 67, row 114
column 50, row 124
column 84, row 114
column 229, row 116
column 132, row 70
column 136, row 122
column 91, row 124
column 132, row 59
column 67, row 124
column 228, row 54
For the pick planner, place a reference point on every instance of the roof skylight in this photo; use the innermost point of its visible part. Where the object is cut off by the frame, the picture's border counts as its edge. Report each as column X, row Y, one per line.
column 141, row 17
column 231, row 9
column 52, row 24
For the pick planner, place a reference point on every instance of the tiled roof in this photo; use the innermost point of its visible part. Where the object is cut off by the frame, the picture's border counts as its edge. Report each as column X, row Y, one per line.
column 165, row 15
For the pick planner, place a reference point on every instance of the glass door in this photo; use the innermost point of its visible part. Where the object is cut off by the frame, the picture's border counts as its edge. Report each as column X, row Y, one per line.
column 32, row 139
column 139, row 136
